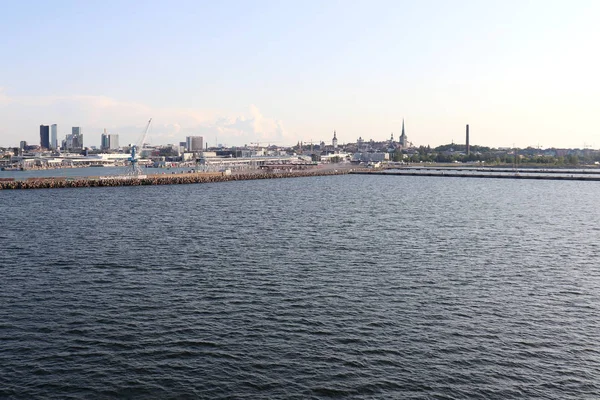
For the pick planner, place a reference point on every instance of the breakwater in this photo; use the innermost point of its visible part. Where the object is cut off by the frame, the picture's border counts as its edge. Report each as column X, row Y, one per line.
column 176, row 179
column 487, row 170
column 496, row 175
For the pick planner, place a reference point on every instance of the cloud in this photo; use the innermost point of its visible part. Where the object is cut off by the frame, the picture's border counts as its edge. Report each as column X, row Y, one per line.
column 22, row 115
column 250, row 127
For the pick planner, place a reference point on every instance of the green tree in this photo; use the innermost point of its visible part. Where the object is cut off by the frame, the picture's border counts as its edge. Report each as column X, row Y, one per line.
column 572, row 159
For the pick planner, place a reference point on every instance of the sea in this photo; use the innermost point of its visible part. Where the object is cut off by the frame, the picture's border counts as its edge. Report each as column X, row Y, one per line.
column 85, row 172
column 352, row 286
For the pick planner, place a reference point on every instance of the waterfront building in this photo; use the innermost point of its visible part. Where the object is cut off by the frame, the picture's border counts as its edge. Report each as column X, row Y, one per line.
column 53, row 136
column 403, row 138
column 194, row 143
column 334, row 141
column 45, row 136
column 370, row 157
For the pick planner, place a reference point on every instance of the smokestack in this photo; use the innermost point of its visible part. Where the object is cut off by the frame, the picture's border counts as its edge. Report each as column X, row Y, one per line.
column 468, row 147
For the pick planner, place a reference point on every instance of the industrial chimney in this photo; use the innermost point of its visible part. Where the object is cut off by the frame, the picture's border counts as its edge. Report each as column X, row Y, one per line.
column 468, row 147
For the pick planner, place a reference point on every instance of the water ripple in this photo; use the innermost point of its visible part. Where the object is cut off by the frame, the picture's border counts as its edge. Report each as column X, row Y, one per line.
column 328, row 287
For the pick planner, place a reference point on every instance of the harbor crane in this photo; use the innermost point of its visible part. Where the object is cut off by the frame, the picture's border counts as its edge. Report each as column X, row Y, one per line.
column 136, row 149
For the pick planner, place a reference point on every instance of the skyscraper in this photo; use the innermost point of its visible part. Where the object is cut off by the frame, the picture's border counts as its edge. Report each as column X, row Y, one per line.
column 113, row 141
column 76, row 139
column 53, row 136
column 109, row 141
column 104, row 145
column 45, row 136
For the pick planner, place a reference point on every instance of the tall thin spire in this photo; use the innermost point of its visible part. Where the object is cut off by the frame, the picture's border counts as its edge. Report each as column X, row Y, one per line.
column 402, row 126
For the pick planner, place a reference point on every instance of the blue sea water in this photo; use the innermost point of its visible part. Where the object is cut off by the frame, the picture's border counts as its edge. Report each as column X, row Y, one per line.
column 339, row 286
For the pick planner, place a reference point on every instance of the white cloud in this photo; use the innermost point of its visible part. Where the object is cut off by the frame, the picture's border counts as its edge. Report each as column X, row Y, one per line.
column 22, row 115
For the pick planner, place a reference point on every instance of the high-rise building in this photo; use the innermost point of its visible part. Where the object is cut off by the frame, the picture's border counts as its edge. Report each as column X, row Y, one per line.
column 109, row 141
column 113, row 141
column 104, row 145
column 45, row 136
column 194, row 143
column 75, row 140
column 53, row 136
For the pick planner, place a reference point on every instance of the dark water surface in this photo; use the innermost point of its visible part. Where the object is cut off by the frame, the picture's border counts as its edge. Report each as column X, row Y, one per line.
column 343, row 286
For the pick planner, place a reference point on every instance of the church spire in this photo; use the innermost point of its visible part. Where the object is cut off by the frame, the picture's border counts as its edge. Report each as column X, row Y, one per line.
column 403, row 141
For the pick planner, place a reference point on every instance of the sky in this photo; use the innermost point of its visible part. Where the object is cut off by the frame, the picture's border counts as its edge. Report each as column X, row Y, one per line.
column 519, row 72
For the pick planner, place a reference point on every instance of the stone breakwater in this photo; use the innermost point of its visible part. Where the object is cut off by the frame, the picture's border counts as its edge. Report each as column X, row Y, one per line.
column 54, row 183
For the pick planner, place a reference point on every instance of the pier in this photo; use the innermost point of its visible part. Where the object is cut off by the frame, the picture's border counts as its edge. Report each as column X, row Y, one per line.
column 460, row 173
column 521, row 170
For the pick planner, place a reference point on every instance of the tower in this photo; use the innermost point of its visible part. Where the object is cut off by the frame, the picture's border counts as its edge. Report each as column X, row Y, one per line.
column 403, row 139
column 334, row 141
column 468, row 146
column 359, row 144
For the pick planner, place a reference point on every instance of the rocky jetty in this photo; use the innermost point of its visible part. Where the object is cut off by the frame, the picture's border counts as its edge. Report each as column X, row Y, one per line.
column 175, row 179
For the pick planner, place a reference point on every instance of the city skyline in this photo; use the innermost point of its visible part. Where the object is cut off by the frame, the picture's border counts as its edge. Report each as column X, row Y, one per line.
column 519, row 73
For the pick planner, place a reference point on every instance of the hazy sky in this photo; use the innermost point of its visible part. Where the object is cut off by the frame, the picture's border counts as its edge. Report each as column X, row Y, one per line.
column 519, row 72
